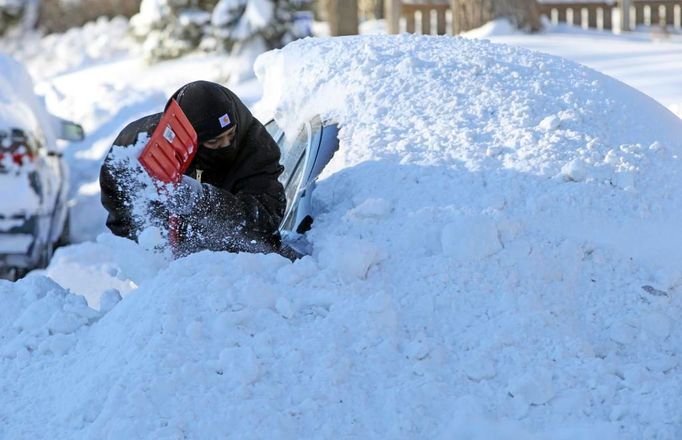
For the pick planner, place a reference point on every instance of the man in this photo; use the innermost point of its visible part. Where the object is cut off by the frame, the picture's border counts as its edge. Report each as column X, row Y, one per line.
column 229, row 199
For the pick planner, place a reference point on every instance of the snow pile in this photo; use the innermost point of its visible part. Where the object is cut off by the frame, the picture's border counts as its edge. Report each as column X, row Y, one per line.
column 97, row 41
column 40, row 316
column 495, row 257
column 110, row 264
column 19, row 106
column 529, row 200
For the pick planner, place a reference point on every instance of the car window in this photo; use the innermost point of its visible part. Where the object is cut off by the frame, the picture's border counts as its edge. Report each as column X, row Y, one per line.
column 17, row 141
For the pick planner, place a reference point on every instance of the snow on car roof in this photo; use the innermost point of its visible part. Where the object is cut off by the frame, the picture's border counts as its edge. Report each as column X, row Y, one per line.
column 19, row 105
column 509, row 116
column 469, row 95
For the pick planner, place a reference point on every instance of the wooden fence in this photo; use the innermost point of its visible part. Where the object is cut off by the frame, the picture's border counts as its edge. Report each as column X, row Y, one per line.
column 420, row 17
column 600, row 15
column 425, row 12
column 418, row 12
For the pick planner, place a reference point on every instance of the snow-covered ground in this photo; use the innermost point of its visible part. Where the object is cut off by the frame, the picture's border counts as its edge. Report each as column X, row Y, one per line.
column 496, row 256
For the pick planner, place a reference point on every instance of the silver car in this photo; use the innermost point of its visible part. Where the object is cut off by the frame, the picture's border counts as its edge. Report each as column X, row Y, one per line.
column 34, row 213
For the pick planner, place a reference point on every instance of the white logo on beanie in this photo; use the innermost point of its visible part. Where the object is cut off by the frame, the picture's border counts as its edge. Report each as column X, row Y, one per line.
column 224, row 120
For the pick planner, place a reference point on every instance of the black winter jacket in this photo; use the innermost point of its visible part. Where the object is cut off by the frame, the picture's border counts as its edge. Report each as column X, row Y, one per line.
column 242, row 203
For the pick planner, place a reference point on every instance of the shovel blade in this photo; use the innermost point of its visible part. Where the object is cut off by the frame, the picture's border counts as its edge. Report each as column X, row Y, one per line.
column 172, row 146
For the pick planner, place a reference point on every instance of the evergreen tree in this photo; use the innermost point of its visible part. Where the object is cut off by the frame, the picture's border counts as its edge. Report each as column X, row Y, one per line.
column 18, row 15
column 171, row 28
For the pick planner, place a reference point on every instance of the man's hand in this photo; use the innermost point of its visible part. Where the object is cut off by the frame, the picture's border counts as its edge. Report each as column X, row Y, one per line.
column 183, row 197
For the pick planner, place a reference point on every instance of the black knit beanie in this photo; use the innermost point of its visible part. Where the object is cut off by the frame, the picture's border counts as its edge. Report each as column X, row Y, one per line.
column 208, row 107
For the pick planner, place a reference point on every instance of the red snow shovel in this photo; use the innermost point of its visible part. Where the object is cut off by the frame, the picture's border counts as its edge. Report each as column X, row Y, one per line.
column 168, row 155
column 171, row 147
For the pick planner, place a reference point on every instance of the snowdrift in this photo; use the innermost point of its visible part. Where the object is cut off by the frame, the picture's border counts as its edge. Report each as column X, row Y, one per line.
column 496, row 256
column 19, row 106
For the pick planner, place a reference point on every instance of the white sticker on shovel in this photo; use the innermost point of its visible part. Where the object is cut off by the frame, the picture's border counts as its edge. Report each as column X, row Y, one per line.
column 169, row 134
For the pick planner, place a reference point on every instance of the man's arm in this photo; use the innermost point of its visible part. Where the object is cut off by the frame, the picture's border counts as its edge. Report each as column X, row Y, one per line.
column 253, row 214
column 116, row 202
column 116, row 184
column 254, row 208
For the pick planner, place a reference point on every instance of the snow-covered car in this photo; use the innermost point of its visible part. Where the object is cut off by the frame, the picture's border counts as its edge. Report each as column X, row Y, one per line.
column 303, row 159
column 34, row 214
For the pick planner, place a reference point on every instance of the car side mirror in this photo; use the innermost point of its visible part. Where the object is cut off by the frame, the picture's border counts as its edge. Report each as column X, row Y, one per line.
column 70, row 131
